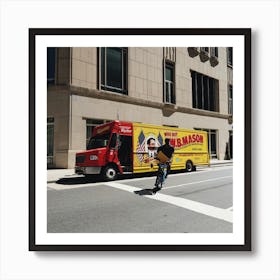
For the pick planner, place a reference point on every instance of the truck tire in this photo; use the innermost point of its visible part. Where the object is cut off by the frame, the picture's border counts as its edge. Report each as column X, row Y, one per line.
column 109, row 173
column 189, row 166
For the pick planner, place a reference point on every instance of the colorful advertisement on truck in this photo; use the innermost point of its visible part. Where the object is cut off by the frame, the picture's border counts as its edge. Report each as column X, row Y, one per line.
column 121, row 147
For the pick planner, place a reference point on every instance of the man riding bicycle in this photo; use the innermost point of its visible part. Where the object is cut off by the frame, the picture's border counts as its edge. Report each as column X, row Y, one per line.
column 164, row 156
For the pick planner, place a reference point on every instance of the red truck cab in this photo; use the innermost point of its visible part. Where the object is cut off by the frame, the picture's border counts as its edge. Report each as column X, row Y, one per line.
column 109, row 151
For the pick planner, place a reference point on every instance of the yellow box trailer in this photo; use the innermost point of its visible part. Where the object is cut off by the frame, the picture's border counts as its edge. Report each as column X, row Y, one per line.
column 191, row 147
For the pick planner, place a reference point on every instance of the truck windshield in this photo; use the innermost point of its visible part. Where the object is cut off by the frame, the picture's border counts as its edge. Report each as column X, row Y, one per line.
column 98, row 141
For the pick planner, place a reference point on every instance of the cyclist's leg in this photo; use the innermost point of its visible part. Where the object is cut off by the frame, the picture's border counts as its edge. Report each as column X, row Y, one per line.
column 162, row 177
column 158, row 180
column 168, row 169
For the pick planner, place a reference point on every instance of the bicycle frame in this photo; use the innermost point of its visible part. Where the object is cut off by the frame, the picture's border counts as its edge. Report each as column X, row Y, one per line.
column 161, row 174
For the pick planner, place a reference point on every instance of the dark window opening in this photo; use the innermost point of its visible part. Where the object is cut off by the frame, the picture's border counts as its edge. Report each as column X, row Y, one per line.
column 205, row 49
column 50, row 142
column 230, row 100
column 169, row 87
column 204, row 92
column 114, row 69
column 50, row 65
column 215, row 52
column 229, row 56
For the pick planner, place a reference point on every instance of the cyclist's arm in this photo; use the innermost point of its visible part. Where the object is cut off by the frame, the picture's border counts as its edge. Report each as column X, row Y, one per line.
column 155, row 161
column 171, row 158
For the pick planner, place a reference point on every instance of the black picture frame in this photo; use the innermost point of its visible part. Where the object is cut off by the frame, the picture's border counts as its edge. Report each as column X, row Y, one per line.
column 246, row 33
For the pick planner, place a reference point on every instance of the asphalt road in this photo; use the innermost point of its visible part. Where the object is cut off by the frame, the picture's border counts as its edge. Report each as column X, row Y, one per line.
column 197, row 202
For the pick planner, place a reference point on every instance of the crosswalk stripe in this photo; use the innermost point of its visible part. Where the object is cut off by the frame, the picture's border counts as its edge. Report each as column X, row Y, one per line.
column 188, row 204
column 197, row 182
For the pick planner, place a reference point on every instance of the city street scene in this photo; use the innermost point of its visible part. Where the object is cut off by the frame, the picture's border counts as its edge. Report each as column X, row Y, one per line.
column 140, row 140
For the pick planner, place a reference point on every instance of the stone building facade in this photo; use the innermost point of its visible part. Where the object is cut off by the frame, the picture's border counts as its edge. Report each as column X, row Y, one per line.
column 183, row 87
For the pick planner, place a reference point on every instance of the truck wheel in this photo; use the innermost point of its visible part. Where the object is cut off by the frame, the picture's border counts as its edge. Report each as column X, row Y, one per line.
column 189, row 166
column 109, row 173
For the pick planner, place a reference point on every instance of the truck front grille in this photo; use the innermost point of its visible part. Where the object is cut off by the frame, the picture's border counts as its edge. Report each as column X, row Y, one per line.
column 80, row 159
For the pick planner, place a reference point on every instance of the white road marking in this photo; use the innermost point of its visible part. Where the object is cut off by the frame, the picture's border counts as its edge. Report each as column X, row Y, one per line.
column 211, row 211
column 210, row 169
column 230, row 208
column 197, row 182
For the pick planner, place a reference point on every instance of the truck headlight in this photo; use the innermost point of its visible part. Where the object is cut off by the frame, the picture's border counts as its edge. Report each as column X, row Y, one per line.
column 93, row 157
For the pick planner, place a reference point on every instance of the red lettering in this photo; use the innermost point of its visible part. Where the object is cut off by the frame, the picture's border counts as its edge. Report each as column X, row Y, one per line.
column 194, row 138
column 185, row 141
column 179, row 144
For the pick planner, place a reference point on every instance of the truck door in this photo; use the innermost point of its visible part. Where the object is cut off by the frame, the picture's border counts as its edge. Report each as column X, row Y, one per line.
column 125, row 152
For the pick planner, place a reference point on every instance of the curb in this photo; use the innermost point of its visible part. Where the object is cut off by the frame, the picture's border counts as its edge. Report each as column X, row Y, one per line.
column 222, row 164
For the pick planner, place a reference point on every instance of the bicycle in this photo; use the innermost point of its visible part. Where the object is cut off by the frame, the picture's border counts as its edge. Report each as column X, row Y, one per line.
column 161, row 176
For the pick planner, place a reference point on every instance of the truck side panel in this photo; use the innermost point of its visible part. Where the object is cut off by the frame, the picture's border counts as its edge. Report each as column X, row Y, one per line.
column 188, row 144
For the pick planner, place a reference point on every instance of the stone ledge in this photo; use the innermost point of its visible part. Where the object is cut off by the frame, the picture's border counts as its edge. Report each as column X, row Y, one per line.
column 107, row 95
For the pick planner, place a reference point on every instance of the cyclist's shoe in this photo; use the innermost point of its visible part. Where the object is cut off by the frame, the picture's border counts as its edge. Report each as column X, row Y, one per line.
column 155, row 190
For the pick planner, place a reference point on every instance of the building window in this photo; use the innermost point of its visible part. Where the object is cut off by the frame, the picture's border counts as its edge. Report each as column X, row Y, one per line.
column 231, row 144
column 212, row 141
column 51, row 65
column 230, row 101
column 212, row 135
column 169, row 83
column 205, row 92
column 114, row 69
column 50, row 141
column 214, row 52
column 229, row 56
column 91, row 124
column 205, row 49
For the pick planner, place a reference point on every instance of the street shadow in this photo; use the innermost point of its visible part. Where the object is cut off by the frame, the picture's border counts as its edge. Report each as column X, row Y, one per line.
column 144, row 192
column 98, row 178
column 79, row 180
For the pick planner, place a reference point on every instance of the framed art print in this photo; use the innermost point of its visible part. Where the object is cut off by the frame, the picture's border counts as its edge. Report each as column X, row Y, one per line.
column 101, row 104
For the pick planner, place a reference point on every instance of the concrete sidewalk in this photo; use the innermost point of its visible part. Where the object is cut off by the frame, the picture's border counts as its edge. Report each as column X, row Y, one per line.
column 56, row 174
